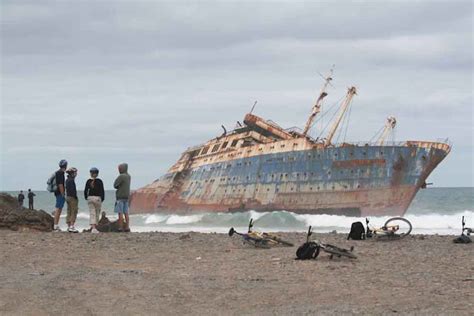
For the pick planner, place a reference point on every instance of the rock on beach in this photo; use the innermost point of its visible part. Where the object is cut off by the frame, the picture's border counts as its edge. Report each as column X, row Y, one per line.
column 14, row 217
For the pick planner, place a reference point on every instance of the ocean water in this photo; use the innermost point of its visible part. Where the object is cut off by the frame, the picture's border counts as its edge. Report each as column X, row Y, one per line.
column 434, row 211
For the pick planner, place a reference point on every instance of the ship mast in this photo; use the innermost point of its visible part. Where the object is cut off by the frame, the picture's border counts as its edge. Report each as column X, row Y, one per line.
column 389, row 126
column 317, row 106
column 345, row 105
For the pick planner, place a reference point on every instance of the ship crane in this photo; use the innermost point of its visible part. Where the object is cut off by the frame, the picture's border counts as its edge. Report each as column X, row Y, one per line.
column 389, row 126
column 345, row 105
column 317, row 106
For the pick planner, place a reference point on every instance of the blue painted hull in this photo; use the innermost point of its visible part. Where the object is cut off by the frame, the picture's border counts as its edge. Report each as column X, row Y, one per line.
column 347, row 180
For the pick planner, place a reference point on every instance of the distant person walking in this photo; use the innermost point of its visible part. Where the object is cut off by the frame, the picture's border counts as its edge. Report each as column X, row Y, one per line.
column 21, row 198
column 71, row 199
column 59, row 193
column 94, row 194
column 122, row 184
column 31, row 198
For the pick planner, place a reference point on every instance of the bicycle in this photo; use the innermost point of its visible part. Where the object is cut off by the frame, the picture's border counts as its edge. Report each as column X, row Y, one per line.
column 260, row 240
column 468, row 230
column 312, row 248
column 394, row 228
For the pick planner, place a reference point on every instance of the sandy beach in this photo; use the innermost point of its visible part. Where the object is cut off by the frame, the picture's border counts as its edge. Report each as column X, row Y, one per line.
column 213, row 274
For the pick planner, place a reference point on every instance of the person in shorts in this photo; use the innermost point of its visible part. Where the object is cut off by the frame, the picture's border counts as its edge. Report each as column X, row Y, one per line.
column 95, row 195
column 122, row 193
column 71, row 200
column 59, row 193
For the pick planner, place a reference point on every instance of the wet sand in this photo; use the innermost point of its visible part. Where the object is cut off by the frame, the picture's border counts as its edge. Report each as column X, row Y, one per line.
column 213, row 274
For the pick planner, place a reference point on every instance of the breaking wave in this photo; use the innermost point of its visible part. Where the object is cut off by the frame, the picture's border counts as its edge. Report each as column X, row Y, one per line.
column 287, row 221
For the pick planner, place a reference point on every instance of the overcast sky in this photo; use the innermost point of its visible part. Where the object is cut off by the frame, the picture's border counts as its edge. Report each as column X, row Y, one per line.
column 102, row 82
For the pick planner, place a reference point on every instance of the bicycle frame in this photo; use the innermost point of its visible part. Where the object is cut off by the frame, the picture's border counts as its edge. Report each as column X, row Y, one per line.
column 385, row 230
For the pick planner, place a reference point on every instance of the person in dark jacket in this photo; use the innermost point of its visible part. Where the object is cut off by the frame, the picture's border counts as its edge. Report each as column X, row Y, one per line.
column 31, row 198
column 95, row 195
column 21, row 198
column 60, row 193
column 71, row 200
column 122, row 184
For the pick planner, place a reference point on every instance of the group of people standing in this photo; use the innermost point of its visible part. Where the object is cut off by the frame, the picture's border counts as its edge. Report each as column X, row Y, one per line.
column 31, row 197
column 94, row 194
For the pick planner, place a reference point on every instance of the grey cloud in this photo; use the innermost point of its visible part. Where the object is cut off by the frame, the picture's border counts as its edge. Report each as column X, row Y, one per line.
column 141, row 81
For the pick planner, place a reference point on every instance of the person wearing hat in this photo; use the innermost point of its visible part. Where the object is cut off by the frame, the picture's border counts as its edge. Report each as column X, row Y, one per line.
column 59, row 193
column 94, row 194
column 71, row 200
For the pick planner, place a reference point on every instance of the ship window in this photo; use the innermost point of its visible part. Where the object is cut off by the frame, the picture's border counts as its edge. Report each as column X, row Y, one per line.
column 272, row 147
column 205, row 150
column 234, row 143
column 283, row 145
column 224, row 145
column 215, row 148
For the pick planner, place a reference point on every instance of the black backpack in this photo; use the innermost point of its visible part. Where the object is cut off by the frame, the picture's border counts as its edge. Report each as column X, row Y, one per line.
column 357, row 231
column 308, row 250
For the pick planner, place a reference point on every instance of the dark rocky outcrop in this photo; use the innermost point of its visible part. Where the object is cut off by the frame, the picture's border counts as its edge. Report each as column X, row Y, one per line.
column 14, row 217
column 106, row 226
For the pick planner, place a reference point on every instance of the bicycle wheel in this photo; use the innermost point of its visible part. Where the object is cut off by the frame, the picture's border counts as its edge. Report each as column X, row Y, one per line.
column 257, row 243
column 333, row 250
column 404, row 226
column 279, row 240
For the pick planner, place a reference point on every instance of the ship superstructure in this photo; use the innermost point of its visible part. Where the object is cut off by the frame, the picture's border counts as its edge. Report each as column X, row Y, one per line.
column 263, row 167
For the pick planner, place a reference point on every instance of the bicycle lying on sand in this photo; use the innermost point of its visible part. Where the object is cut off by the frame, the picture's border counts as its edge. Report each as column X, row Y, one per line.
column 394, row 228
column 468, row 230
column 311, row 249
column 260, row 240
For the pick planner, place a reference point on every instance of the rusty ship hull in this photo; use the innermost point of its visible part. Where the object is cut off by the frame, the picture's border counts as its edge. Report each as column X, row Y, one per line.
column 294, row 175
column 263, row 167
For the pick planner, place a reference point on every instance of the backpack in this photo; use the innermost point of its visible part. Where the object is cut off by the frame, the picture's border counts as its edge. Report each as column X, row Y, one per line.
column 357, row 231
column 51, row 185
column 308, row 250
